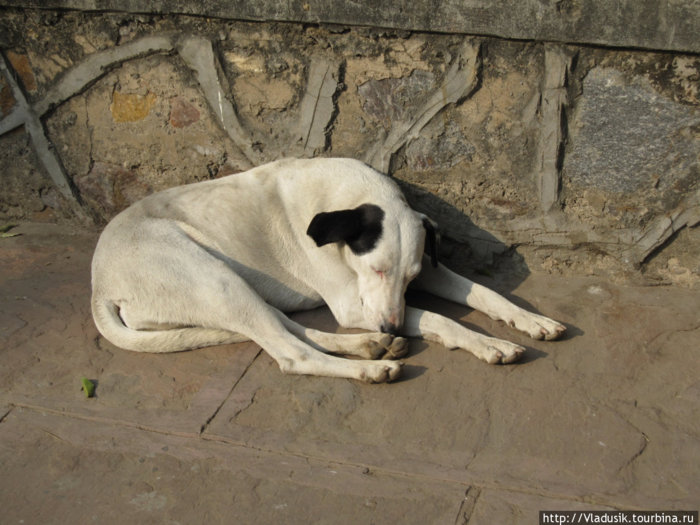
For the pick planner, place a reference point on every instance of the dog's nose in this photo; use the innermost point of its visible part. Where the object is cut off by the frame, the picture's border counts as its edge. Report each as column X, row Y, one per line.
column 389, row 328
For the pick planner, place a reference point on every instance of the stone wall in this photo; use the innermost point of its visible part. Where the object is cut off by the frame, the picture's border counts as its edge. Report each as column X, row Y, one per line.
column 552, row 154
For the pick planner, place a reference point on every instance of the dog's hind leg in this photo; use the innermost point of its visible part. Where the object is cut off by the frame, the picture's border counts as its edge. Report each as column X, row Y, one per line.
column 242, row 311
column 447, row 284
column 186, row 286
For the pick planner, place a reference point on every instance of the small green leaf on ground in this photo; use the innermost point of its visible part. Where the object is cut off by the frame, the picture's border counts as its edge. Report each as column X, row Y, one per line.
column 5, row 231
column 88, row 387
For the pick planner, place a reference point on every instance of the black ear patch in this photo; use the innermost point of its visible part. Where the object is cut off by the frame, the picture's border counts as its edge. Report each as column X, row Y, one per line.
column 432, row 240
column 360, row 228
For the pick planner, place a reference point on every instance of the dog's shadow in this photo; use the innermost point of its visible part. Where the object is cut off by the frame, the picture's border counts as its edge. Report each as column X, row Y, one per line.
column 465, row 247
column 472, row 251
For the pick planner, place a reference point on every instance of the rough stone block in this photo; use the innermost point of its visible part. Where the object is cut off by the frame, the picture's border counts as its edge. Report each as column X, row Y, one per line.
column 391, row 99
column 7, row 101
column 626, row 137
column 23, row 68
column 568, row 153
column 110, row 188
column 23, row 186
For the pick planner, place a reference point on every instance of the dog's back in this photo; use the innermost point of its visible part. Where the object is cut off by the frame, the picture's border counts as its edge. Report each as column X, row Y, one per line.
column 253, row 222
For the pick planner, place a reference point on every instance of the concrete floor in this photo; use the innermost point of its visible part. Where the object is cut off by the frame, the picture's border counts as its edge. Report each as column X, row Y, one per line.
column 606, row 418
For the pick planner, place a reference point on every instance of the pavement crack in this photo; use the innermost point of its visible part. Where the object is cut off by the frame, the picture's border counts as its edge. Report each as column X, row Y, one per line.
column 4, row 412
column 466, row 509
column 637, row 454
column 206, row 424
column 644, row 438
column 55, row 436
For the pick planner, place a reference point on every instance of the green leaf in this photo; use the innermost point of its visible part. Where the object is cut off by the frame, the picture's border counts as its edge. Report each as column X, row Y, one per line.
column 5, row 231
column 88, row 387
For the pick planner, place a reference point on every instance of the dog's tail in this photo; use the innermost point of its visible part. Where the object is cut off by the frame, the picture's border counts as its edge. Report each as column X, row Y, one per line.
column 106, row 316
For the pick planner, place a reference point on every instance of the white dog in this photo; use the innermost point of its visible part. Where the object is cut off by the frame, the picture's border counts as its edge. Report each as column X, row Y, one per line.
column 220, row 261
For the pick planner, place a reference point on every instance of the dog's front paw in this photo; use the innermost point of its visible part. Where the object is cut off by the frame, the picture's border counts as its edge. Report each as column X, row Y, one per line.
column 538, row 326
column 381, row 372
column 397, row 349
column 497, row 351
column 384, row 346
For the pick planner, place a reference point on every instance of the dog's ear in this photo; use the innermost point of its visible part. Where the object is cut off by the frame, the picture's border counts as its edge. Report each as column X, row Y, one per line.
column 432, row 239
column 360, row 228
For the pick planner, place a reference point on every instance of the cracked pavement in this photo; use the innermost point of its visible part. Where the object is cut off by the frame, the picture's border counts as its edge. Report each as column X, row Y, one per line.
column 606, row 418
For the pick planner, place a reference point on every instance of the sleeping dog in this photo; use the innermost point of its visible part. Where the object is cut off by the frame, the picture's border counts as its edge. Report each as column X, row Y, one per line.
column 221, row 261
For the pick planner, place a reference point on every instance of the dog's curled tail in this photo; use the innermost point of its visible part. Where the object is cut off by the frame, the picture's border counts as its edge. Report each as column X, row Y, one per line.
column 106, row 316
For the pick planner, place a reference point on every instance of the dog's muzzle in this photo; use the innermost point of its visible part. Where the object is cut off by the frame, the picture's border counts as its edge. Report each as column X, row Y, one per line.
column 389, row 328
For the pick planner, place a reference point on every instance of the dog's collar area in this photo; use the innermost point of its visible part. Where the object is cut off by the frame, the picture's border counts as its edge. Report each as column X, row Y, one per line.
column 432, row 239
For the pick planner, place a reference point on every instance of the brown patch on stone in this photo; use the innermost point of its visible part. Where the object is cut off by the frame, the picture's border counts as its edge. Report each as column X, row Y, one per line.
column 182, row 113
column 23, row 68
column 110, row 188
column 7, row 100
column 130, row 107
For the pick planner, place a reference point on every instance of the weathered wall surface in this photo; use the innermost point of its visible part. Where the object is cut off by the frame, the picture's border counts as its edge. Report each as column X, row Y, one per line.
column 565, row 156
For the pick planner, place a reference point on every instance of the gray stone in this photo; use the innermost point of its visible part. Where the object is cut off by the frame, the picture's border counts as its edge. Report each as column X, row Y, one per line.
column 626, row 23
column 460, row 80
column 391, row 99
column 625, row 137
column 441, row 150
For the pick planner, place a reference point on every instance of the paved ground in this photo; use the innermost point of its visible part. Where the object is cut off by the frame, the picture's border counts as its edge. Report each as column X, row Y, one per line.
column 607, row 418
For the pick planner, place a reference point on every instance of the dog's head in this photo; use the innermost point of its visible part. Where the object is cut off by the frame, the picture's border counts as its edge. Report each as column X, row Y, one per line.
column 384, row 248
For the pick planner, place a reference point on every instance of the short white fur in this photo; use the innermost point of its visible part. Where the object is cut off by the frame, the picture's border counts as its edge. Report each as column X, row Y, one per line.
column 222, row 261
